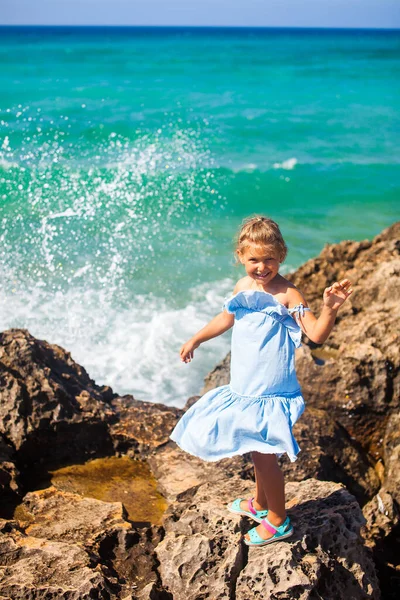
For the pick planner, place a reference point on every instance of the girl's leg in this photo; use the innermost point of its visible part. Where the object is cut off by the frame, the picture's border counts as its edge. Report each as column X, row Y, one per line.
column 260, row 498
column 260, row 501
column 270, row 477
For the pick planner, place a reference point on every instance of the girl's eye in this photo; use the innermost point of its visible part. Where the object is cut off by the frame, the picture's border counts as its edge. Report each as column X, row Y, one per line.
column 256, row 260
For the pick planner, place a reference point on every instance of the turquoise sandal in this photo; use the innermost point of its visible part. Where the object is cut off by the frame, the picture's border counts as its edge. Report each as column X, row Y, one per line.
column 279, row 533
column 256, row 515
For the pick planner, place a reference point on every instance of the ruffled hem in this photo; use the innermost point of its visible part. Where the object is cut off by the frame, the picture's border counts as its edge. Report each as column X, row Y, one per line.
column 279, row 453
column 223, row 424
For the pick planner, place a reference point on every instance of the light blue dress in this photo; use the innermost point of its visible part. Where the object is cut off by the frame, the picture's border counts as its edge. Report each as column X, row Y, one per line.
column 263, row 401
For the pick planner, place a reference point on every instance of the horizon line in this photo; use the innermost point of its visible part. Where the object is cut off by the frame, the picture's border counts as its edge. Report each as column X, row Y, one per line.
column 111, row 26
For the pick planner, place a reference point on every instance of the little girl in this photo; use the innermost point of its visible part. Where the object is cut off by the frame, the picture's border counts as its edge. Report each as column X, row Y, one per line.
column 257, row 410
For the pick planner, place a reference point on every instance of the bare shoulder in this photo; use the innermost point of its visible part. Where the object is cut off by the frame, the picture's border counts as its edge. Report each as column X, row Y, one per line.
column 294, row 296
column 243, row 284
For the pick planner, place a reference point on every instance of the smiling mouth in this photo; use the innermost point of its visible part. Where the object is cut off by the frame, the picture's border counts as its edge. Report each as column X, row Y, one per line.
column 262, row 276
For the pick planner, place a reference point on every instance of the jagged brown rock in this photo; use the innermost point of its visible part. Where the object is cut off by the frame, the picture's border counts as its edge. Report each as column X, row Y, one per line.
column 141, row 426
column 176, row 471
column 203, row 557
column 329, row 453
column 220, row 375
column 381, row 515
column 9, row 474
column 382, row 529
column 338, row 566
column 391, row 447
column 50, row 409
column 37, row 568
column 123, row 553
column 63, row 516
column 358, row 372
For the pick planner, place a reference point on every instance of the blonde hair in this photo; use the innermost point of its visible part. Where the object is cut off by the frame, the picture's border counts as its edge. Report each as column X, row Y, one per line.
column 261, row 231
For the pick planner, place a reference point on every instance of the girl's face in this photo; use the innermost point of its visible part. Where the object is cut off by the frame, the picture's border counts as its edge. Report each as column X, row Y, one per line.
column 261, row 263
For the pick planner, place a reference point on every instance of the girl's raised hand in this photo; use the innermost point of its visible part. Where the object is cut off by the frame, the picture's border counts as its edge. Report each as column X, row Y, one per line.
column 187, row 351
column 337, row 293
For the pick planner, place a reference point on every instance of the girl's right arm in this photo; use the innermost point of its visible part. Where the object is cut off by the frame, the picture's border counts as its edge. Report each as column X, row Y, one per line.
column 219, row 324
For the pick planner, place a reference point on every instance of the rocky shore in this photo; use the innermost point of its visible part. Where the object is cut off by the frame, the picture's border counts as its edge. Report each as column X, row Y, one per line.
column 343, row 493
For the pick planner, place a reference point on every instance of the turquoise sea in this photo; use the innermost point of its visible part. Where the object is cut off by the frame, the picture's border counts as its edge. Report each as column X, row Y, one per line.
column 129, row 156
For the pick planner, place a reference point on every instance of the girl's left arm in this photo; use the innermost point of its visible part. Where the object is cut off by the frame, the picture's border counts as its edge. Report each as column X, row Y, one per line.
column 318, row 330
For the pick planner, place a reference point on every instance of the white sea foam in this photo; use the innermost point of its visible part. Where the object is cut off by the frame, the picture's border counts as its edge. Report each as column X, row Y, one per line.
column 288, row 165
column 66, row 213
column 7, row 164
column 136, row 349
column 247, row 168
column 6, row 143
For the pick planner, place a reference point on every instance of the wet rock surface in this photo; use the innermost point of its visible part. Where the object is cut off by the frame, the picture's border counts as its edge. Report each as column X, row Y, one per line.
column 115, row 479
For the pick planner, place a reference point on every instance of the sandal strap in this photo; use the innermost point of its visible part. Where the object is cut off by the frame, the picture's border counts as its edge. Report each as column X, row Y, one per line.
column 251, row 507
column 274, row 528
column 268, row 526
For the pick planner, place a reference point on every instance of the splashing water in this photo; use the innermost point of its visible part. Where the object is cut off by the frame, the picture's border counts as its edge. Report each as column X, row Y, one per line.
column 96, row 239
